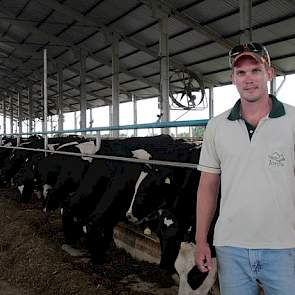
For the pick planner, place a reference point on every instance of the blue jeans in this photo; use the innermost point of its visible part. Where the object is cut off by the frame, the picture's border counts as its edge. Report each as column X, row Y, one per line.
column 241, row 270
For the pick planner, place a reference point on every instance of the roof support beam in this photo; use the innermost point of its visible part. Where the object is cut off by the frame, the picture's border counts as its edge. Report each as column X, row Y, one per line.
column 31, row 107
column 66, row 10
column 168, row 8
column 37, row 71
column 20, row 113
column 115, row 85
column 7, row 18
column 82, row 90
column 245, row 21
column 60, row 97
column 4, row 113
column 11, row 114
column 164, row 67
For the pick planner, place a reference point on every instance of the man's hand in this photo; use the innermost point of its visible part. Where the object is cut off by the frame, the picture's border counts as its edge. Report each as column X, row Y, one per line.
column 203, row 258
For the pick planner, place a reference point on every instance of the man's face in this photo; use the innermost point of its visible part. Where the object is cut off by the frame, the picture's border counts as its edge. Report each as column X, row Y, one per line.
column 250, row 78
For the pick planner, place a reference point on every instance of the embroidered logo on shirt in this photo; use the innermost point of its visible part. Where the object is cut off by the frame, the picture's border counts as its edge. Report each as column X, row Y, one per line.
column 276, row 160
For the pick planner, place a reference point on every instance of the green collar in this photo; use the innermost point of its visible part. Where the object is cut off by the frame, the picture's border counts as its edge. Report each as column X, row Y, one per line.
column 277, row 109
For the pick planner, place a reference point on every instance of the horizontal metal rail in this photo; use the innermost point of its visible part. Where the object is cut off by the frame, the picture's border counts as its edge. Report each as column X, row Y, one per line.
column 115, row 158
column 121, row 127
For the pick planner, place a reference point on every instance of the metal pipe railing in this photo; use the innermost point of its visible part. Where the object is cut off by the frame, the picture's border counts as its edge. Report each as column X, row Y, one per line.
column 115, row 158
column 121, row 127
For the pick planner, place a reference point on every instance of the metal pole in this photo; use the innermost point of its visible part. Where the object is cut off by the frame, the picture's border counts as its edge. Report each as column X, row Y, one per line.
column 91, row 119
column 82, row 90
column 115, row 85
column 245, row 21
column 164, row 81
column 110, row 118
column 30, row 98
column 45, row 100
column 273, row 86
column 134, row 103
column 211, row 103
column 11, row 115
column 4, row 115
column 75, row 120
column 60, row 97
column 20, row 116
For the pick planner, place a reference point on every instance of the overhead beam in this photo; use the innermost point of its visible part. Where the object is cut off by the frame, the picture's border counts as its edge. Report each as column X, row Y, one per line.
column 54, row 61
column 7, row 18
column 166, row 7
column 86, row 20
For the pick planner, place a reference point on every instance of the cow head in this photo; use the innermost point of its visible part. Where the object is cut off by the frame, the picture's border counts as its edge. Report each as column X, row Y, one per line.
column 151, row 194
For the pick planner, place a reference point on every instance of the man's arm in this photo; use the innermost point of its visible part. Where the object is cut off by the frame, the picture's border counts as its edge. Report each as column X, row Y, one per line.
column 206, row 206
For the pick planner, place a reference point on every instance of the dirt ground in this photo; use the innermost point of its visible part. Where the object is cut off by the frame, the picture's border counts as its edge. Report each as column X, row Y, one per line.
column 32, row 260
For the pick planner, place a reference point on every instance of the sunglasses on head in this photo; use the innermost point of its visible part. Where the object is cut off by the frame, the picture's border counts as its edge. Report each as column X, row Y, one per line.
column 254, row 47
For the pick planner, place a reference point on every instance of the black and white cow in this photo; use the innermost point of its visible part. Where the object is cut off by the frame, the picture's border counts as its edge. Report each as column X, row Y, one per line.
column 38, row 170
column 166, row 200
column 109, row 190
column 70, row 172
column 17, row 158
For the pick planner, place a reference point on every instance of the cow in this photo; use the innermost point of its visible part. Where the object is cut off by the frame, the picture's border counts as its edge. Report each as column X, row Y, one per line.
column 17, row 158
column 70, row 171
column 110, row 209
column 166, row 201
column 100, row 174
column 37, row 170
column 108, row 186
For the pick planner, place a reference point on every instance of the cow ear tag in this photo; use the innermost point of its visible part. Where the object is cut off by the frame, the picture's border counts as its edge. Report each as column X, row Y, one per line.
column 167, row 180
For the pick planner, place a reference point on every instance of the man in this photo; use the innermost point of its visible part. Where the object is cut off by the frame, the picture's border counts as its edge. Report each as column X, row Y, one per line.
column 250, row 151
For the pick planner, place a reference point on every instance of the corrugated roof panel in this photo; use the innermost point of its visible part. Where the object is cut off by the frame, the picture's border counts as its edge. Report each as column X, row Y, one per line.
column 270, row 10
column 180, row 43
column 210, row 9
column 102, row 11
column 133, row 21
column 176, row 27
column 280, row 30
column 84, row 7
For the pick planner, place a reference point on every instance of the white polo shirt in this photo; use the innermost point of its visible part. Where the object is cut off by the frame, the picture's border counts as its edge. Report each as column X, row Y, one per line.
column 257, row 207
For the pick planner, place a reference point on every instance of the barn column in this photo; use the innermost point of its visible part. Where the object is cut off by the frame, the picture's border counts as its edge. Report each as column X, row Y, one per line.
column 273, row 86
column 75, row 120
column 45, row 99
column 30, row 99
column 110, row 118
column 11, row 114
column 211, row 103
column 60, row 97
column 20, row 113
column 245, row 21
column 4, row 113
column 134, row 104
column 164, row 68
column 82, row 90
column 51, row 123
column 115, row 85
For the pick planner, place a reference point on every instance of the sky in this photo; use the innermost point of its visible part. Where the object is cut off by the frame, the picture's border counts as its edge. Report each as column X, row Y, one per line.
column 147, row 110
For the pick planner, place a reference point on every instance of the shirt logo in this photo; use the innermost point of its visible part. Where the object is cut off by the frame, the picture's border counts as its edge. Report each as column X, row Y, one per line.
column 276, row 160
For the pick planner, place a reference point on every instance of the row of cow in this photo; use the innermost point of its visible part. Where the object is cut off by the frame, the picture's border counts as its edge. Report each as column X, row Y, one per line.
column 94, row 194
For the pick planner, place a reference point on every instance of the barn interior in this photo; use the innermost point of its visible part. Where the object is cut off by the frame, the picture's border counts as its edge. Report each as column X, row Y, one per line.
column 61, row 56
column 64, row 56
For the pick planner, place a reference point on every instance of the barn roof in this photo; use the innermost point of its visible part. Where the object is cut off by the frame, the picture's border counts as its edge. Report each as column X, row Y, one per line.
column 200, row 34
